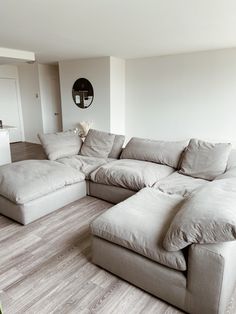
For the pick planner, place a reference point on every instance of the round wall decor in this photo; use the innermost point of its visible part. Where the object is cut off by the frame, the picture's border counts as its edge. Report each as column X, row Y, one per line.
column 82, row 93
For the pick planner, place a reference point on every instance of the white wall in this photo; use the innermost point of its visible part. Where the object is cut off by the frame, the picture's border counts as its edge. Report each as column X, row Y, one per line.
column 182, row 96
column 97, row 71
column 117, row 95
column 11, row 72
column 30, row 99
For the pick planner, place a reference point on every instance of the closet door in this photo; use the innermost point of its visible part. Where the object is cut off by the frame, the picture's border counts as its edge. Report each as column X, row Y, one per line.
column 9, row 107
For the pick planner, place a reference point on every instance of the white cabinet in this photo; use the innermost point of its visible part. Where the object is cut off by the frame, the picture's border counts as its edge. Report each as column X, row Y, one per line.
column 5, row 153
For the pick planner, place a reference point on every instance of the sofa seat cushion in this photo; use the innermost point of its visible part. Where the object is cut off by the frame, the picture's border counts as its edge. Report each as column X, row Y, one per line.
column 24, row 181
column 179, row 184
column 131, row 174
column 140, row 224
column 84, row 164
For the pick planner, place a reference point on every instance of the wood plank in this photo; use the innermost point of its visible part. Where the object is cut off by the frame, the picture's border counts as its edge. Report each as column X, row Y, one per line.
column 45, row 267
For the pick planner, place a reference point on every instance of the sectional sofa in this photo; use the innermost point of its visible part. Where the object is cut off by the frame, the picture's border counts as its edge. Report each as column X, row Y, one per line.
column 172, row 229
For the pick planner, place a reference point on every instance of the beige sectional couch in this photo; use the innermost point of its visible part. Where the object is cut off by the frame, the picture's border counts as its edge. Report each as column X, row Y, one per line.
column 172, row 231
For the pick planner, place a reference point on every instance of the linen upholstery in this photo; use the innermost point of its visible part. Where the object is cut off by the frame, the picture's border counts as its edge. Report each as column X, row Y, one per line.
column 44, row 205
column 229, row 174
column 211, row 277
column 162, row 152
column 61, row 144
column 205, row 160
column 97, row 144
column 27, row 180
column 117, row 146
column 177, row 183
column 84, row 164
column 232, row 159
column 207, row 216
column 110, row 193
column 130, row 174
column 161, row 281
column 140, row 224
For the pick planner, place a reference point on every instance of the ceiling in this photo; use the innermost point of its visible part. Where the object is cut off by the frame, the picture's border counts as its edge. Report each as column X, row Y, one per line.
column 68, row 29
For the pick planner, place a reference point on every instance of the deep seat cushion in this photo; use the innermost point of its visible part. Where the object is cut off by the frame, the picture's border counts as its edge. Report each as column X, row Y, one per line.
column 205, row 160
column 27, row 180
column 84, row 164
column 61, row 144
column 180, row 184
column 97, row 144
column 130, row 174
column 161, row 152
column 140, row 224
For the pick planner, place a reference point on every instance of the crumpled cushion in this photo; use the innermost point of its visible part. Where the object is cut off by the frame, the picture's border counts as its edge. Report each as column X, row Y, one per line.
column 61, row 144
column 179, row 184
column 130, row 174
column 207, row 216
column 24, row 181
column 84, row 164
column 140, row 223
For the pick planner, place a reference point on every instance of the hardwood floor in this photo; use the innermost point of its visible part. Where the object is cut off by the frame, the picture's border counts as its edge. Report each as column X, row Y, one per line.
column 25, row 150
column 45, row 268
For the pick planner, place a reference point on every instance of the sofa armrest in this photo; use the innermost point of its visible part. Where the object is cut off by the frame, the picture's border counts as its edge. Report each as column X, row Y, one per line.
column 211, row 277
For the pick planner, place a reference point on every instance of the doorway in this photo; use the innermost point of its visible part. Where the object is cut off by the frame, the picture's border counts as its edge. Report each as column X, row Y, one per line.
column 10, row 108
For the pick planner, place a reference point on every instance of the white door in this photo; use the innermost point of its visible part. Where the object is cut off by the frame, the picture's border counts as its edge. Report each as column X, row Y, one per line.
column 52, row 120
column 9, row 108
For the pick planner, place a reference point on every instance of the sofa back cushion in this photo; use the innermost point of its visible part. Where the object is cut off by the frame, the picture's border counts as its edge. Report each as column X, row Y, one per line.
column 161, row 152
column 232, row 159
column 61, row 144
column 117, row 146
column 205, row 160
column 207, row 216
column 97, row 144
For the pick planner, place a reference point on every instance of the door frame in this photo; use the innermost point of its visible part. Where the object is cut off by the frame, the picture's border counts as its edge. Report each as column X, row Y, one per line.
column 11, row 72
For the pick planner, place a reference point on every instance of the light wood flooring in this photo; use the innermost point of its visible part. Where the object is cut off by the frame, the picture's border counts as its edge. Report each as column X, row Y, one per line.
column 45, row 267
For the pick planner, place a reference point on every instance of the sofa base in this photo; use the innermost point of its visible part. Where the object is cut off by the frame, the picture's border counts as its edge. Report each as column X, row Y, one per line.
column 28, row 212
column 163, row 282
column 109, row 193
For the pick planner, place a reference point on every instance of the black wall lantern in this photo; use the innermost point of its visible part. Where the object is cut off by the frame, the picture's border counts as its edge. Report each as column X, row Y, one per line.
column 82, row 93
